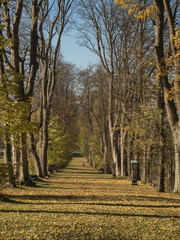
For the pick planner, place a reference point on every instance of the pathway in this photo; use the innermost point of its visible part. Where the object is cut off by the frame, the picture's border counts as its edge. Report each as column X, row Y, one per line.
column 82, row 203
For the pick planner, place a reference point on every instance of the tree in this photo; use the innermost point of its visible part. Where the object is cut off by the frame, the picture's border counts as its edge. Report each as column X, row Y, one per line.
column 21, row 93
column 167, row 64
column 66, row 100
column 100, row 33
column 123, row 45
column 95, row 83
column 49, row 58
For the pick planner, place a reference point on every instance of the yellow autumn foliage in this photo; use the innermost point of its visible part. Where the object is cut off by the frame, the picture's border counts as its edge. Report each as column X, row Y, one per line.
column 82, row 203
column 140, row 11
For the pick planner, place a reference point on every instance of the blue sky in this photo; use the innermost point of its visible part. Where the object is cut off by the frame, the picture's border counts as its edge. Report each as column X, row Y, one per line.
column 73, row 53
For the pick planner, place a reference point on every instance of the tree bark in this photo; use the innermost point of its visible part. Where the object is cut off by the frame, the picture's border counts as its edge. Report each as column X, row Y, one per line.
column 16, row 159
column 24, row 172
column 43, row 142
column 35, row 156
column 171, row 107
column 145, row 172
column 176, row 126
column 122, row 148
column 112, row 123
column 161, row 180
column 161, row 177
column 176, row 137
column 129, row 140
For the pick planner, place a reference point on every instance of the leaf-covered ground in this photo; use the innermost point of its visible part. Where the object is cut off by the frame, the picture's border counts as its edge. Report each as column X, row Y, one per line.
column 82, row 203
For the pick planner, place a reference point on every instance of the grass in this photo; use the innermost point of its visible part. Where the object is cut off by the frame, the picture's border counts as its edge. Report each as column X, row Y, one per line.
column 82, row 203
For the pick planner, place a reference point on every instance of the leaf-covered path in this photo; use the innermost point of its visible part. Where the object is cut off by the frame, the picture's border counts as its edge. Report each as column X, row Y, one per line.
column 82, row 203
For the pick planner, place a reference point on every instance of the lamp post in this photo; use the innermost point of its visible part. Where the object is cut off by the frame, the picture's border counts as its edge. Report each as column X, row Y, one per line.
column 134, row 172
column 114, row 169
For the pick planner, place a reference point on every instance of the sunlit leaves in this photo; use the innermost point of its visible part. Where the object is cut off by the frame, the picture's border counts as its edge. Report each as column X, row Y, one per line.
column 177, row 38
column 139, row 10
column 60, row 148
column 13, row 112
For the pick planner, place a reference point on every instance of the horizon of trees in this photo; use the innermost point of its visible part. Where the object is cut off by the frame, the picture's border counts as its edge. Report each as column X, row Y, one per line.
column 124, row 108
column 135, row 115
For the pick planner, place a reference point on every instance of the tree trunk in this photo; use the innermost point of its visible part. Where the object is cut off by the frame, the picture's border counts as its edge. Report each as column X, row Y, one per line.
column 122, row 147
column 43, row 142
column 145, row 172
column 161, row 181
column 112, row 125
column 172, row 107
column 15, row 158
column 114, row 154
column 24, row 169
column 148, row 165
column 16, row 161
column 170, row 171
column 176, row 139
column 129, row 153
column 7, row 159
column 162, row 157
column 105, row 152
column 143, row 166
column 7, row 151
column 35, row 156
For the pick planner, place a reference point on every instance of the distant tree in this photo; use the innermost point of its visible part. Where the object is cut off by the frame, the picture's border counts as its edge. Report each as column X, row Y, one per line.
column 123, row 45
column 100, row 33
column 94, row 116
